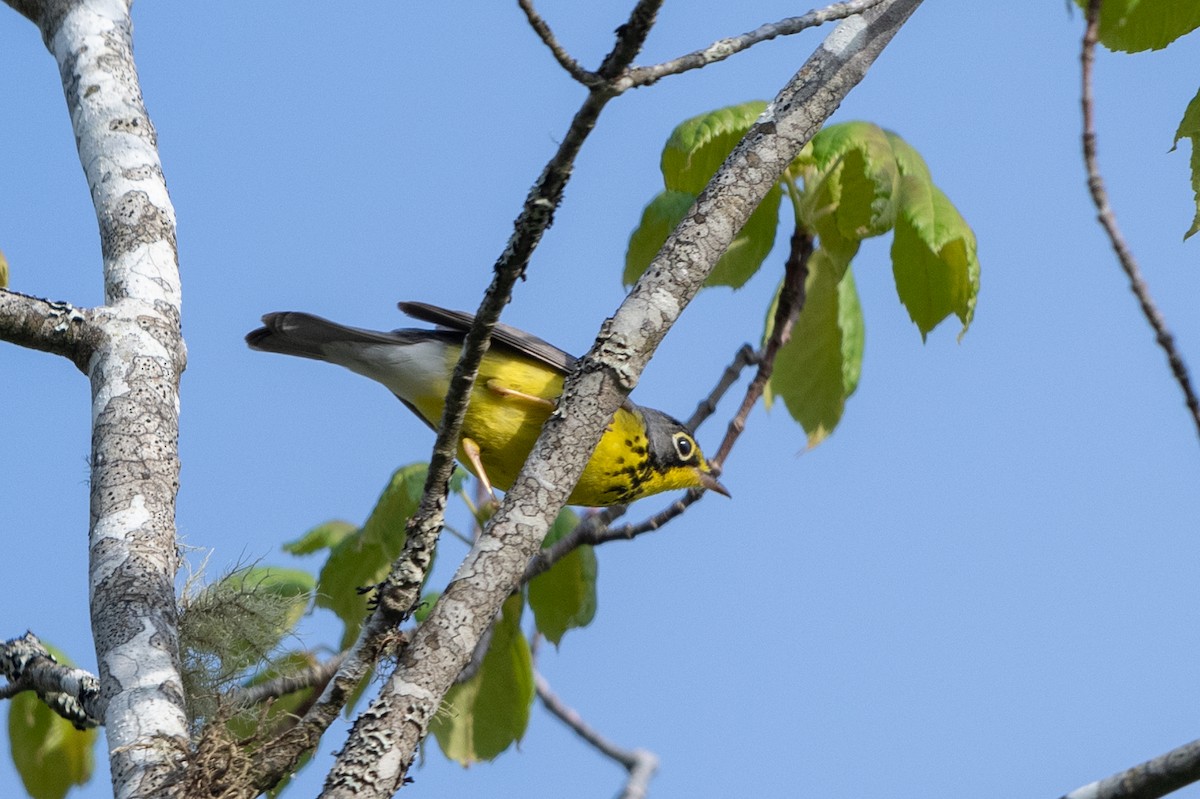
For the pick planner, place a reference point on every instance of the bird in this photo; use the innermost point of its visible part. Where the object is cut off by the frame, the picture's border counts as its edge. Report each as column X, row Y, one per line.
column 643, row 451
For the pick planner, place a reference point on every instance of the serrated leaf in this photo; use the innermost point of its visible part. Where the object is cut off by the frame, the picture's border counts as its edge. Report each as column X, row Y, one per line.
column 698, row 146
column 324, row 536
column 746, row 252
column 362, row 559
column 858, row 160
column 908, row 160
column 488, row 713
column 564, row 597
column 933, row 257
column 49, row 753
column 1132, row 26
column 1189, row 128
column 818, row 369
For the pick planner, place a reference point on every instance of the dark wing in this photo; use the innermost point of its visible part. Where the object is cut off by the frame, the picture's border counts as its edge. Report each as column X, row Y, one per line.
column 505, row 335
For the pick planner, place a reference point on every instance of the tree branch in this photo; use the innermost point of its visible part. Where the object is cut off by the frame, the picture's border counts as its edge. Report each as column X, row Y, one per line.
column 134, row 368
column 72, row 693
column 564, row 59
column 595, row 530
column 376, row 758
column 1149, row 780
column 55, row 327
column 400, row 591
column 318, row 674
column 724, row 48
column 1108, row 221
column 640, row 763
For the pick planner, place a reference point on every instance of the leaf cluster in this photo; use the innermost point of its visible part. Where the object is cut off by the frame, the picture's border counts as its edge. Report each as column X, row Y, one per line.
column 853, row 181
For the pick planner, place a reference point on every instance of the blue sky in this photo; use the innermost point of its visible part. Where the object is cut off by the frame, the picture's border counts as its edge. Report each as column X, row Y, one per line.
column 984, row 580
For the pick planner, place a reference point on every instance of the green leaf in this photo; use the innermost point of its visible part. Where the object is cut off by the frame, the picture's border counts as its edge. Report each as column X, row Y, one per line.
column 564, row 596
column 739, row 263
column 3, row 271
column 362, row 559
column 908, row 160
column 323, row 536
column 1134, row 25
column 933, row 257
column 698, row 146
column 49, row 753
column 857, row 161
column 818, row 369
column 483, row 716
column 1189, row 128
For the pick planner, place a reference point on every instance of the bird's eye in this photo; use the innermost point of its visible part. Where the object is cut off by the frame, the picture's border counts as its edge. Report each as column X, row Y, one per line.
column 684, row 446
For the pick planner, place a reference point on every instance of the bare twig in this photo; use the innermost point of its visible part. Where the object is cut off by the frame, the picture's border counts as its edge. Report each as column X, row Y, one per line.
column 1149, row 780
column 1108, row 221
column 72, row 693
column 640, row 763
column 542, row 29
column 316, row 675
column 724, row 48
column 791, row 302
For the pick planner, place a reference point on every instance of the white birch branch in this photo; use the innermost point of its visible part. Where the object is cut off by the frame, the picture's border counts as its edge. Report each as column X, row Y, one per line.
column 376, row 758
column 134, row 370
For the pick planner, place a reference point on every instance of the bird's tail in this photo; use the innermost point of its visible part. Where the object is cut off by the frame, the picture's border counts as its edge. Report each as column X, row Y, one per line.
column 308, row 336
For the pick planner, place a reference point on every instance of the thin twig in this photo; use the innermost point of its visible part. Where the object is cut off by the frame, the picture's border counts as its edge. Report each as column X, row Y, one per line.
column 791, row 302
column 596, row 528
column 564, row 59
column 640, row 763
column 316, row 675
column 1149, row 780
column 724, row 48
column 1108, row 221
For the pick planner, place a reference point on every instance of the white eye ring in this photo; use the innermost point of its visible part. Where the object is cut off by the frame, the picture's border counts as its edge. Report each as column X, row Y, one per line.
column 684, row 447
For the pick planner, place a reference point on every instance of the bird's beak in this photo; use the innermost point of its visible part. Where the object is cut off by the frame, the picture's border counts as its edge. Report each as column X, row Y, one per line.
column 711, row 483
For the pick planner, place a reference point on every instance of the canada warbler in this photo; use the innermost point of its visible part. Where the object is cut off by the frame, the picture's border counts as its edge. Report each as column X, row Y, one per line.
column 643, row 451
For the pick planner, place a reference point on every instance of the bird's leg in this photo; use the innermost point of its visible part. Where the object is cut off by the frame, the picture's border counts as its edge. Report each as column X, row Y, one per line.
column 472, row 452
column 496, row 387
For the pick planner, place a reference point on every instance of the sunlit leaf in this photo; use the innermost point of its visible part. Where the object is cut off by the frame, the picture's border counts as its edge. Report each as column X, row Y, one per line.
column 488, row 713
column 564, row 596
column 739, row 263
column 1189, row 128
column 324, row 536
column 857, row 158
column 362, row 559
column 818, row 369
column 1135, row 25
column 933, row 257
column 698, row 146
